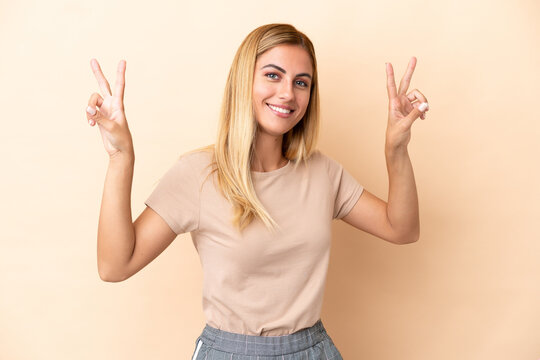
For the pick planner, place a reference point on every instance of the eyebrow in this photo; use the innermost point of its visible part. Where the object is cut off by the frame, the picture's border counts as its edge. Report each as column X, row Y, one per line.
column 283, row 70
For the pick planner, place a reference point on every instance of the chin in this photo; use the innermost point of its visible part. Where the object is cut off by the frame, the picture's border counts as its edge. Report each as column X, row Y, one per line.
column 274, row 130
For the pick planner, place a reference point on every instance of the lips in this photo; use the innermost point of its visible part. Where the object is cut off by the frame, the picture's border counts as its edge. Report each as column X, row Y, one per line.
column 276, row 109
column 282, row 107
column 279, row 113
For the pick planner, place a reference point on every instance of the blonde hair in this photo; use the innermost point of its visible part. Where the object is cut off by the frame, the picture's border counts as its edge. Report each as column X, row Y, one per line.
column 234, row 148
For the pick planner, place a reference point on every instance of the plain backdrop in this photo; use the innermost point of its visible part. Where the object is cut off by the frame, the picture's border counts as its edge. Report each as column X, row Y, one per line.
column 468, row 289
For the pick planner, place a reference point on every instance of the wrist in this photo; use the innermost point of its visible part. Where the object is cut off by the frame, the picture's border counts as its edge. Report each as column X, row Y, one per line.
column 393, row 151
column 127, row 158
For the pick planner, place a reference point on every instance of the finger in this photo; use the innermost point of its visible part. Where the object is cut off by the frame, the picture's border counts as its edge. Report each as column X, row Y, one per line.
column 92, row 114
column 103, row 83
column 390, row 82
column 417, row 103
column 95, row 101
column 98, row 118
column 416, row 95
column 406, row 80
column 422, row 114
column 419, row 109
column 413, row 115
column 120, row 80
column 91, row 111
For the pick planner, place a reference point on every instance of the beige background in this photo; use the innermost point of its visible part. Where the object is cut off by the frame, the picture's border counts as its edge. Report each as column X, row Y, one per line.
column 469, row 289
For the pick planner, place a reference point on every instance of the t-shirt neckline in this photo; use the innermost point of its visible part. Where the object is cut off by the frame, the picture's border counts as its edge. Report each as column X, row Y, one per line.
column 280, row 170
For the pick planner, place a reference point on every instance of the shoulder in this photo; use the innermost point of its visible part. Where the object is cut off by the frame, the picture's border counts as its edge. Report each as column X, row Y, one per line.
column 189, row 166
column 197, row 159
column 318, row 164
column 319, row 157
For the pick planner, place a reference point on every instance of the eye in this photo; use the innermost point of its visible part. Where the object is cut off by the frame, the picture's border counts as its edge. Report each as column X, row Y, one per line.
column 302, row 83
column 271, row 76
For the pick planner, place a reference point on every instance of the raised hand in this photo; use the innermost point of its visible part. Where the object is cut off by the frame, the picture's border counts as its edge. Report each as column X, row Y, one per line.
column 403, row 108
column 108, row 112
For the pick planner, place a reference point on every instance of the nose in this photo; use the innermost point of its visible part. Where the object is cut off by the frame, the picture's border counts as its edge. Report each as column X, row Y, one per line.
column 286, row 91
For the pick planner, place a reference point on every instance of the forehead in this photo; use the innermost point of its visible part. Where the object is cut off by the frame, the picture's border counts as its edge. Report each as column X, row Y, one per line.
column 289, row 57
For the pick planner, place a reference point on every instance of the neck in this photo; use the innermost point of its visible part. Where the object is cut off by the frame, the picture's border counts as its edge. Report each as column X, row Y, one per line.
column 268, row 155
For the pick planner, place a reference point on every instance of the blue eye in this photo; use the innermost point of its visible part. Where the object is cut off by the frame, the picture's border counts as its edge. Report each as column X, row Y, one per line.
column 275, row 76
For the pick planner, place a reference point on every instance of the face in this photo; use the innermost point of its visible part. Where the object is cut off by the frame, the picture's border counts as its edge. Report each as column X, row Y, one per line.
column 281, row 88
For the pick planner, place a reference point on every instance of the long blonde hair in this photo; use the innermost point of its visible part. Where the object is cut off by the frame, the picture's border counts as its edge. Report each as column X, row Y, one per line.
column 234, row 148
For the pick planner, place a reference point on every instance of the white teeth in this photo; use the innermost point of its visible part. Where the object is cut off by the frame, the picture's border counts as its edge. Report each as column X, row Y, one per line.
column 283, row 111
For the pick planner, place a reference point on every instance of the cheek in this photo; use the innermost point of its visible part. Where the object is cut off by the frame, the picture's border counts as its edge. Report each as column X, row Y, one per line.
column 259, row 93
column 304, row 103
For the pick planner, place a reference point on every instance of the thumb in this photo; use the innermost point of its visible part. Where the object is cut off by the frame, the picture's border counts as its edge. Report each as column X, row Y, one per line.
column 417, row 111
column 101, row 120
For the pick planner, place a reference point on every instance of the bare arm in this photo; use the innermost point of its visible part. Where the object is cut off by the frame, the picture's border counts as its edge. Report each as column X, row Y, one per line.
column 403, row 109
column 398, row 220
column 402, row 206
column 116, row 235
column 123, row 247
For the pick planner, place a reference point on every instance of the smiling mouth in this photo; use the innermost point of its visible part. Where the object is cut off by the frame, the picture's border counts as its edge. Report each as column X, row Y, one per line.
column 280, row 110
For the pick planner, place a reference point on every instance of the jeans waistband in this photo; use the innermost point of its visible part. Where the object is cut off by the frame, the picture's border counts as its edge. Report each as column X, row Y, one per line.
column 263, row 345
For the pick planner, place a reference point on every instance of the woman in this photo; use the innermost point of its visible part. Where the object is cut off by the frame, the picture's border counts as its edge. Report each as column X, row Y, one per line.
column 259, row 203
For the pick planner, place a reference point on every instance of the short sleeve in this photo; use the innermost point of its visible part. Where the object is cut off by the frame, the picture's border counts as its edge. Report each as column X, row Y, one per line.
column 176, row 197
column 345, row 189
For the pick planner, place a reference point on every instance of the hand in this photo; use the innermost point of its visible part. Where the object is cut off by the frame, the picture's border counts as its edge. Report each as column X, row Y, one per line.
column 108, row 112
column 403, row 108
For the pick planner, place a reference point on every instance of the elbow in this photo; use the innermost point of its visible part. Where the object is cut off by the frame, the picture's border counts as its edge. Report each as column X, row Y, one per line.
column 109, row 279
column 106, row 277
column 408, row 238
column 109, row 276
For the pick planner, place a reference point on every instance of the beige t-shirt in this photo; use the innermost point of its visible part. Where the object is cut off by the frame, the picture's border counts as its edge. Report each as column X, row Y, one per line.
column 257, row 283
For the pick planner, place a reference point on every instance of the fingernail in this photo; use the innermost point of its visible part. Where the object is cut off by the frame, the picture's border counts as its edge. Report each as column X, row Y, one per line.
column 91, row 111
column 91, row 122
column 423, row 106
